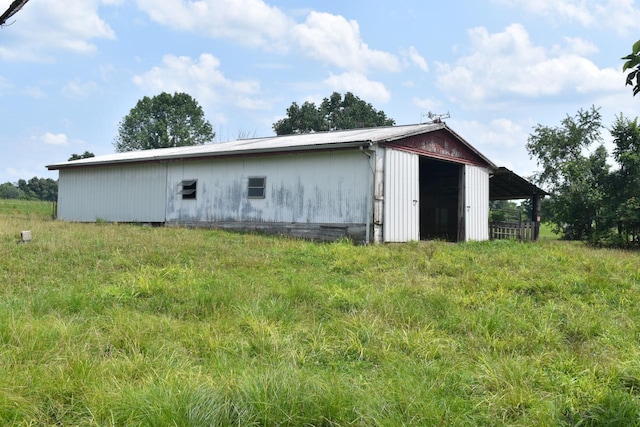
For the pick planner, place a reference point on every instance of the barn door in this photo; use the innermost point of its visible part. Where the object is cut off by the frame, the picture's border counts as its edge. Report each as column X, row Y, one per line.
column 476, row 203
column 401, row 196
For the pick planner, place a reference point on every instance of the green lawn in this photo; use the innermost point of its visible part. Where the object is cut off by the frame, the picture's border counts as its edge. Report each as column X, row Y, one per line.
column 125, row 325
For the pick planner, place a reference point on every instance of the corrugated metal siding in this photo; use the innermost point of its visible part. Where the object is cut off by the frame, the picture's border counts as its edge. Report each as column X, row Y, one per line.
column 320, row 187
column 476, row 184
column 132, row 193
column 401, row 196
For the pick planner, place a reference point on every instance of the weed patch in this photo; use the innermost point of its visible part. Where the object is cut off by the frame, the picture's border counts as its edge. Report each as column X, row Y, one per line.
column 125, row 325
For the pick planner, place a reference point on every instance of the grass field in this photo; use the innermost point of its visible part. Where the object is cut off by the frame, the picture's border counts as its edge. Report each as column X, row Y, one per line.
column 106, row 324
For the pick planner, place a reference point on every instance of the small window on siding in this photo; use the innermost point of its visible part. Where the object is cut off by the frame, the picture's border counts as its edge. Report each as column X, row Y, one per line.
column 256, row 187
column 189, row 188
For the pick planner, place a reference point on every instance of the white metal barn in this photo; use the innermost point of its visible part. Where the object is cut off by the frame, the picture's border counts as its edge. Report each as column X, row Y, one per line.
column 387, row 184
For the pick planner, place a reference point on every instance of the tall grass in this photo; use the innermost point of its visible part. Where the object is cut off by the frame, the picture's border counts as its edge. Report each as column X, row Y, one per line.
column 105, row 324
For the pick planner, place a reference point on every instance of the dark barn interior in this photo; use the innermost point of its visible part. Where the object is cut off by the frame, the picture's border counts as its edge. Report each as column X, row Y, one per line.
column 439, row 200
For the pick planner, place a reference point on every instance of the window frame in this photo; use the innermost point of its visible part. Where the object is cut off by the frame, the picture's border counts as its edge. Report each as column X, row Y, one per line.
column 261, row 189
column 189, row 189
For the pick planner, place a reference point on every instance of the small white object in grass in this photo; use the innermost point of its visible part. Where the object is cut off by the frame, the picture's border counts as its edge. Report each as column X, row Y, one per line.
column 25, row 236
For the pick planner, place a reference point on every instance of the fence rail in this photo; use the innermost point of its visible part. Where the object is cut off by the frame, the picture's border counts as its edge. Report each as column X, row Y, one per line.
column 522, row 231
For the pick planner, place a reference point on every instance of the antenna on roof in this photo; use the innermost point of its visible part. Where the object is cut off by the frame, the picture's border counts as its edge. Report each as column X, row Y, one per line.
column 434, row 118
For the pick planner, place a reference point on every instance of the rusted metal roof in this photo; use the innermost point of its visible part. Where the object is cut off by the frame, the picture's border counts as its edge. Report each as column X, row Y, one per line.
column 287, row 143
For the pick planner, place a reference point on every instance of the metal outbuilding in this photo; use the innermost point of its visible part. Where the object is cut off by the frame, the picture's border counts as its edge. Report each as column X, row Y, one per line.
column 386, row 184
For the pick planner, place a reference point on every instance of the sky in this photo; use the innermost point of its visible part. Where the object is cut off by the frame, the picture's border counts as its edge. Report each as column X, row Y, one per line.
column 70, row 71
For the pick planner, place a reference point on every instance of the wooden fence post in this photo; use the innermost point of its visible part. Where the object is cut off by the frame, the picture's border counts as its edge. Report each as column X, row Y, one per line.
column 535, row 217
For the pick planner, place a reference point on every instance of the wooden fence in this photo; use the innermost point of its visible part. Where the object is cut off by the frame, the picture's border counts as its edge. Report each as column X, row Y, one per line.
column 522, row 231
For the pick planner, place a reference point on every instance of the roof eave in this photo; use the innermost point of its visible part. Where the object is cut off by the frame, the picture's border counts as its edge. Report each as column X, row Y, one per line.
column 178, row 156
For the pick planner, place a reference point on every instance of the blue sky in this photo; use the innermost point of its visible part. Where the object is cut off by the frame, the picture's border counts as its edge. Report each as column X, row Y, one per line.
column 70, row 71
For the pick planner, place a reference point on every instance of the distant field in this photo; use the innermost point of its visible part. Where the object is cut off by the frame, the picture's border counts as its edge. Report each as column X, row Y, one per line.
column 546, row 232
column 126, row 325
column 29, row 208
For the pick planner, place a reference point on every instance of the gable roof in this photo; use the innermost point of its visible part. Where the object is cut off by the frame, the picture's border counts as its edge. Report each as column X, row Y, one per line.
column 442, row 144
column 274, row 144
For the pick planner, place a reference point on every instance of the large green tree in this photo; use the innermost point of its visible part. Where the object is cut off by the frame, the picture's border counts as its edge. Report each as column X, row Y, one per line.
column 335, row 112
column 591, row 201
column 625, row 196
column 574, row 172
column 33, row 189
column 10, row 191
column 163, row 121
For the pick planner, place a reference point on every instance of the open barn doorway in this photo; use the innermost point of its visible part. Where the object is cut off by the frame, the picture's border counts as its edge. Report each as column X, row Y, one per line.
column 440, row 194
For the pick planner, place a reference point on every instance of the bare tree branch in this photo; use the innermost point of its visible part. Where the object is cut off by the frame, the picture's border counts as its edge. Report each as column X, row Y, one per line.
column 13, row 9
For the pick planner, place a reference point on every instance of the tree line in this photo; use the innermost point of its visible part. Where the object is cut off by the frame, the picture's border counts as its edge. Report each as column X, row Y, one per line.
column 591, row 199
column 177, row 120
column 34, row 189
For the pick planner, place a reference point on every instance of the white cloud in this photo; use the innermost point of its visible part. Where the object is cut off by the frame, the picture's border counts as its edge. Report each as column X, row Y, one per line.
column 577, row 46
column 48, row 25
column 359, row 85
column 15, row 54
column 248, row 22
column 35, row 92
column 334, row 40
column 78, row 89
column 272, row 66
column 55, row 139
column 330, row 39
column 502, row 140
column 620, row 16
column 416, row 59
column 5, row 86
column 202, row 79
column 14, row 174
column 426, row 104
column 508, row 64
column 499, row 132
